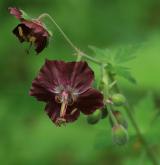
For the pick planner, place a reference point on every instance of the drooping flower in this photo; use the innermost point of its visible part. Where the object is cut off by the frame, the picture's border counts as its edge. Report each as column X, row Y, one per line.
column 66, row 88
column 30, row 30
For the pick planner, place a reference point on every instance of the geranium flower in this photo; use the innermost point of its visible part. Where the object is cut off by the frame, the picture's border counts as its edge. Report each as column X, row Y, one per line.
column 30, row 30
column 66, row 88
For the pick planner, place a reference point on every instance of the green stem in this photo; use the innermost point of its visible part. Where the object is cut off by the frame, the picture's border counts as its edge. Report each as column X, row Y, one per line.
column 78, row 58
column 114, row 120
column 105, row 81
column 78, row 51
column 44, row 15
column 90, row 58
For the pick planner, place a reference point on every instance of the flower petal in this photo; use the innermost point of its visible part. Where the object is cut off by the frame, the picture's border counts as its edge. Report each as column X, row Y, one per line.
column 36, row 27
column 40, row 43
column 16, row 12
column 51, row 76
column 42, row 94
column 53, row 73
column 80, row 76
column 53, row 110
column 89, row 101
column 72, row 114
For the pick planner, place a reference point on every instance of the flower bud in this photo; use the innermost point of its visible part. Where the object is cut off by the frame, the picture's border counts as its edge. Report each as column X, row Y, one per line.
column 119, row 135
column 94, row 117
column 118, row 99
column 120, row 119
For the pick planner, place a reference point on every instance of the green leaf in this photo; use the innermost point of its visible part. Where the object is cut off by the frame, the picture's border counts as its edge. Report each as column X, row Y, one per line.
column 125, row 53
column 102, row 54
column 125, row 73
column 116, row 56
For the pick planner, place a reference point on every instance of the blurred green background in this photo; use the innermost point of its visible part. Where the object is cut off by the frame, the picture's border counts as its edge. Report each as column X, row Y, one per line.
column 27, row 136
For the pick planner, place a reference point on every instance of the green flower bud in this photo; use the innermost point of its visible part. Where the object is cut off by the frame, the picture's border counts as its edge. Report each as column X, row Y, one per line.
column 118, row 99
column 120, row 119
column 119, row 135
column 94, row 117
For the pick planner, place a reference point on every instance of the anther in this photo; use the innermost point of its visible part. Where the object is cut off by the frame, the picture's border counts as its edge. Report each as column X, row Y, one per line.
column 20, row 31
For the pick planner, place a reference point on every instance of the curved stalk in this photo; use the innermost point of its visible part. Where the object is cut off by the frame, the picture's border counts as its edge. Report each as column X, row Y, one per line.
column 78, row 51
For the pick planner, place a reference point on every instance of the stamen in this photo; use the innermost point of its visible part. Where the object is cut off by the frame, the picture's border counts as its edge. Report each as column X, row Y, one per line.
column 20, row 31
column 63, row 108
column 58, row 99
column 32, row 39
column 74, row 110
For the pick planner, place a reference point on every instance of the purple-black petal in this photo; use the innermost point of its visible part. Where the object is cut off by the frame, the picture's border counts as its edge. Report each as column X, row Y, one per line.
column 53, row 111
column 89, row 101
column 80, row 76
column 41, row 93
column 36, row 26
column 40, row 43
column 49, row 78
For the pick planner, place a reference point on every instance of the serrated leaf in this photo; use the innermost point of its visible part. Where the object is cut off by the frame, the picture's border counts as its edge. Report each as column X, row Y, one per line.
column 116, row 56
column 103, row 54
column 125, row 73
column 125, row 54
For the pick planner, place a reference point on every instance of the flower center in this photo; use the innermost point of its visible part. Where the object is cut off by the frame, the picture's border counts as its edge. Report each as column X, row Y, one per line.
column 65, row 99
column 30, row 37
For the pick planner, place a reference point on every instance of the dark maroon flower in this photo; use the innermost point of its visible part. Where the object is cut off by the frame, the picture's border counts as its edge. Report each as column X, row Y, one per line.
column 66, row 88
column 30, row 30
